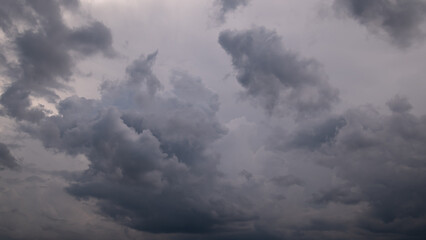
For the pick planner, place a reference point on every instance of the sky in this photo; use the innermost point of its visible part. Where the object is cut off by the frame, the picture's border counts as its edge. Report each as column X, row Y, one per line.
column 212, row 119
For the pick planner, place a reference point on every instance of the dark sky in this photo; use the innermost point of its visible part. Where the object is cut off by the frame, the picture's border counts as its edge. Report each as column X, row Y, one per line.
column 216, row 119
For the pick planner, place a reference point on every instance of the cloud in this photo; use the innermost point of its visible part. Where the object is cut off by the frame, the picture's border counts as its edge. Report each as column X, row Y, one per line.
column 35, row 204
column 150, row 166
column 314, row 135
column 228, row 6
column 274, row 77
column 161, row 164
column 378, row 166
column 399, row 104
column 400, row 20
column 44, row 52
column 382, row 160
column 6, row 158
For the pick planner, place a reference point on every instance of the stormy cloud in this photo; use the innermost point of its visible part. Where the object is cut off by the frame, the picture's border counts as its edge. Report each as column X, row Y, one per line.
column 274, row 77
column 400, row 20
column 44, row 53
column 205, row 133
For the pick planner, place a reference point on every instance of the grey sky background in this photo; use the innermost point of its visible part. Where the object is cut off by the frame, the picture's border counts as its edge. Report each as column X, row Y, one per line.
column 221, row 119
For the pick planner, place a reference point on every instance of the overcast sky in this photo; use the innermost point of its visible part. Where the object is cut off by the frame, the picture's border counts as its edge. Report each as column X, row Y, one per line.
column 212, row 119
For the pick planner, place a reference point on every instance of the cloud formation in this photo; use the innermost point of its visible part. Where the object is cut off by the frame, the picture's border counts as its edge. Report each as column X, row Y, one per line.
column 275, row 77
column 149, row 163
column 400, row 20
column 45, row 53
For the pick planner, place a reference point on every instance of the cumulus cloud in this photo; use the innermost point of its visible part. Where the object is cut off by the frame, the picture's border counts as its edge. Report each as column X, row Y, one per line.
column 275, row 77
column 150, row 168
column 400, row 20
column 381, row 162
column 44, row 52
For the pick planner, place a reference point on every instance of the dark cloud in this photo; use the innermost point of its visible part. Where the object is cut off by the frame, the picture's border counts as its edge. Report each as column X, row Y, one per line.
column 382, row 159
column 379, row 161
column 91, row 39
column 400, row 20
column 227, row 6
column 7, row 160
column 275, row 77
column 10, row 11
column 322, row 225
column 44, row 53
column 399, row 104
column 150, row 168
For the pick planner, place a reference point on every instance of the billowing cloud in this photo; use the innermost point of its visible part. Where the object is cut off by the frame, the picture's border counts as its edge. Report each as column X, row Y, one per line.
column 156, row 159
column 400, row 20
column 44, row 51
column 275, row 77
column 380, row 160
column 150, row 167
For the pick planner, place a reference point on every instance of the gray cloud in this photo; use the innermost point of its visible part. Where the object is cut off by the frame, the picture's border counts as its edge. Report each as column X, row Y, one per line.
column 379, row 161
column 6, row 158
column 400, row 20
column 150, row 168
column 44, row 61
column 150, row 165
column 314, row 135
column 275, row 77
column 154, row 150
column 227, row 6
column 381, row 157
column 399, row 104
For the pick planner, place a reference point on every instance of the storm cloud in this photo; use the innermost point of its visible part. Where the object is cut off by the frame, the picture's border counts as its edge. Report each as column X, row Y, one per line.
column 165, row 149
column 149, row 164
column 400, row 20
column 44, row 53
column 274, row 77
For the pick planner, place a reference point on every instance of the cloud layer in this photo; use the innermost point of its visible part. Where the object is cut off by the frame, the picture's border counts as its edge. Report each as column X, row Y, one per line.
column 45, row 53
